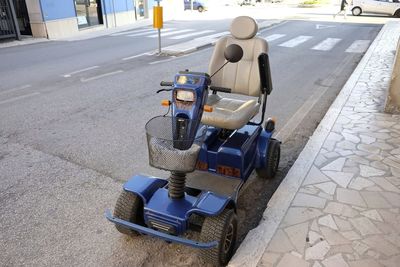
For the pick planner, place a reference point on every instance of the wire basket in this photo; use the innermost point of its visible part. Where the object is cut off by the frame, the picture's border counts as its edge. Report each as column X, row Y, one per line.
column 174, row 143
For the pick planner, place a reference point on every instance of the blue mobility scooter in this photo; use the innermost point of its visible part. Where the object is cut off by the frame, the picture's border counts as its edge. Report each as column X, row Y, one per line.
column 210, row 145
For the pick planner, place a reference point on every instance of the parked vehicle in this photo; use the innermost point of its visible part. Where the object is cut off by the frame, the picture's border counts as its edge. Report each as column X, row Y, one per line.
column 387, row 7
column 197, row 5
column 247, row 2
column 210, row 144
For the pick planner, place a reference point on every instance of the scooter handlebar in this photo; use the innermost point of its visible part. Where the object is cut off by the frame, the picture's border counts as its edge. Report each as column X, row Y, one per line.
column 220, row 89
column 166, row 83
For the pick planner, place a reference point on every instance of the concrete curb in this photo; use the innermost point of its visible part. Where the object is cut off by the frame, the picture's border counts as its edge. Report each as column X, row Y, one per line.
column 252, row 248
column 194, row 45
column 24, row 41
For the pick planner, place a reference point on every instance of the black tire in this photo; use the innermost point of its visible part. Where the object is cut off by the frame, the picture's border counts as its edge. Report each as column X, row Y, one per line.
column 356, row 11
column 200, row 9
column 397, row 13
column 222, row 228
column 272, row 160
column 129, row 207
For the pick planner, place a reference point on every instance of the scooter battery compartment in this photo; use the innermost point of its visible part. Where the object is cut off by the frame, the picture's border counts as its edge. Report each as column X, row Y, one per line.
column 237, row 151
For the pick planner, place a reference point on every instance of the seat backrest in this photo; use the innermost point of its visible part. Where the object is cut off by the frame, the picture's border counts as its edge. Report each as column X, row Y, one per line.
column 242, row 77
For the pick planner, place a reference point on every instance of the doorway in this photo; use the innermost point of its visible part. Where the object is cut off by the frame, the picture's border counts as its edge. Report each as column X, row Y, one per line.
column 140, row 9
column 88, row 13
column 21, row 13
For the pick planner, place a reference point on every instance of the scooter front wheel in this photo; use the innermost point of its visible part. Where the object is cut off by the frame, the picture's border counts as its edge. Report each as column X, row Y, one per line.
column 221, row 228
column 272, row 160
column 129, row 207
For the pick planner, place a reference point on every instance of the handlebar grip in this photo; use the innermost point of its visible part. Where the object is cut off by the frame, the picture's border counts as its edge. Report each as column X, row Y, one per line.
column 166, row 83
column 220, row 89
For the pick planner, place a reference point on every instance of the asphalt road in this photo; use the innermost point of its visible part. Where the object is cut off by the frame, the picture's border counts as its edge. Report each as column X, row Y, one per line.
column 72, row 118
column 47, row 61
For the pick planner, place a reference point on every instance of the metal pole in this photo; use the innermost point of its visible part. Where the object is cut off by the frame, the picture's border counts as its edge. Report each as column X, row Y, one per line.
column 115, row 19
column 105, row 12
column 87, row 5
column 191, row 4
column 14, row 18
column 159, row 34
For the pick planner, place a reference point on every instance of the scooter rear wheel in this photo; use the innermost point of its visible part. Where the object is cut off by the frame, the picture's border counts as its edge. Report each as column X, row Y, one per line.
column 129, row 207
column 221, row 228
column 272, row 160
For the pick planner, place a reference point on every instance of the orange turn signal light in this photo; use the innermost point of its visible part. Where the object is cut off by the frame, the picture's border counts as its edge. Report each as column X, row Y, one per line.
column 165, row 103
column 208, row 108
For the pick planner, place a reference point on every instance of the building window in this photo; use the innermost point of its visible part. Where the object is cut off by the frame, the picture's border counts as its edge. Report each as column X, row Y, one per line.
column 88, row 13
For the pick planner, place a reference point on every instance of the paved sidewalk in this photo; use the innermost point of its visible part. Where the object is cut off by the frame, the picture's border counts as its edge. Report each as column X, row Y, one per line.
column 25, row 40
column 340, row 203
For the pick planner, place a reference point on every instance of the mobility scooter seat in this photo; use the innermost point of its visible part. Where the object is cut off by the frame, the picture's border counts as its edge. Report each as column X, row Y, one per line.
column 230, row 113
column 242, row 78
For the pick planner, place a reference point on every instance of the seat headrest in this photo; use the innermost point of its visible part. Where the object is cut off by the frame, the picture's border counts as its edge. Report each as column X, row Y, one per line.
column 244, row 27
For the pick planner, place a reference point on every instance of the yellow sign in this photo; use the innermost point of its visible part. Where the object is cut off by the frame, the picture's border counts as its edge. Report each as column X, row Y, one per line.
column 157, row 17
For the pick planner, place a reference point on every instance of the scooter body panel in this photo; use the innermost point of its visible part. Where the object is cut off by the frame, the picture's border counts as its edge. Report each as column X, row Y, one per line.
column 238, row 155
column 171, row 215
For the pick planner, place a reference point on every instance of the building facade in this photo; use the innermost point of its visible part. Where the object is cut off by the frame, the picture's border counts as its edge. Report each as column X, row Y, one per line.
column 63, row 18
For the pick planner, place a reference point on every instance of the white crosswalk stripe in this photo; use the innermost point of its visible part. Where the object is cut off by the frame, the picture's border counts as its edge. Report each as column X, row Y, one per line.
column 358, row 46
column 190, row 34
column 274, row 37
column 296, row 41
column 326, row 44
column 133, row 31
column 150, row 32
column 213, row 36
column 170, row 33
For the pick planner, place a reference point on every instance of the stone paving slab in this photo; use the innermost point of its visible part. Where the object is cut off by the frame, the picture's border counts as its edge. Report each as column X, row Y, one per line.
column 340, row 203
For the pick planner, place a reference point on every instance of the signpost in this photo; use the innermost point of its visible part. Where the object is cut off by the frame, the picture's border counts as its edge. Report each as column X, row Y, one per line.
column 158, row 22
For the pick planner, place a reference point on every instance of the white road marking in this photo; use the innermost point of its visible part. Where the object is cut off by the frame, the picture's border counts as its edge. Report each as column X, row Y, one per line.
column 359, row 46
column 190, row 34
column 150, row 32
column 19, row 97
column 100, row 76
column 212, row 36
column 327, row 44
column 140, row 55
column 79, row 71
column 133, row 31
column 321, row 26
column 15, row 89
column 296, row 41
column 274, row 37
column 161, row 61
column 170, row 33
